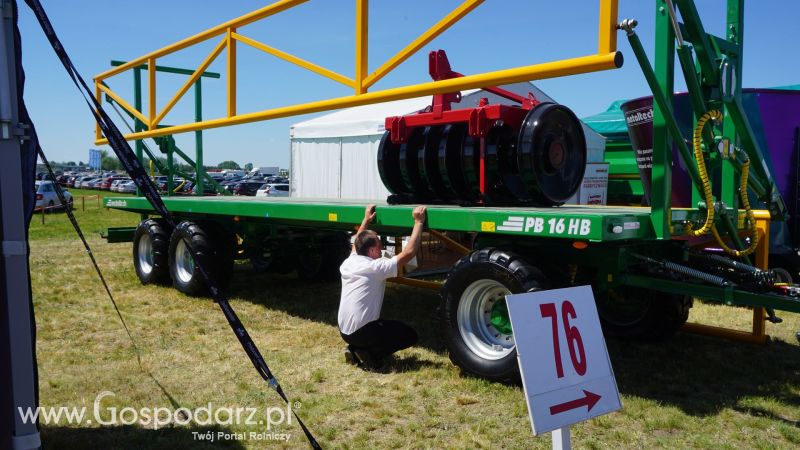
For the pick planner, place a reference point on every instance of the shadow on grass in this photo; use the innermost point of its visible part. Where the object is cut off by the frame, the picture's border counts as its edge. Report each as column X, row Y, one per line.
column 319, row 301
column 130, row 437
column 697, row 374
column 700, row 375
column 407, row 364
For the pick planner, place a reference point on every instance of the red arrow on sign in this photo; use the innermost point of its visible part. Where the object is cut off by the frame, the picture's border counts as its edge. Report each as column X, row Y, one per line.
column 589, row 399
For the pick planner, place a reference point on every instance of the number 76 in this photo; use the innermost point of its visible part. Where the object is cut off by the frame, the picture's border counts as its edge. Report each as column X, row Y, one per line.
column 576, row 352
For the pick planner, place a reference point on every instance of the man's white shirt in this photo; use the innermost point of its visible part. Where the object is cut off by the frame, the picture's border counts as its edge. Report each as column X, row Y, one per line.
column 363, row 285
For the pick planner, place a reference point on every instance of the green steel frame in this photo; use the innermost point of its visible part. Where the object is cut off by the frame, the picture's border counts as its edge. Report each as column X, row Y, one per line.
column 167, row 144
column 713, row 78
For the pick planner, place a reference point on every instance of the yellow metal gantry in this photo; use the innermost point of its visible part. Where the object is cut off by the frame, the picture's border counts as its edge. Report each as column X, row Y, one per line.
column 606, row 58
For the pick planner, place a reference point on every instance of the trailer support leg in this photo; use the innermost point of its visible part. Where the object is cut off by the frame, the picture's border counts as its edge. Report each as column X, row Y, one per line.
column 758, row 334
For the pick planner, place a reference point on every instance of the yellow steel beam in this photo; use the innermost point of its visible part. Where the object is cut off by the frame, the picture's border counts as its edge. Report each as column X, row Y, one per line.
column 151, row 90
column 218, row 30
column 188, row 84
column 98, row 133
column 607, row 34
column 431, row 34
column 122, row 102
column 231, row 66
column 416, row 283
column 450, row 243
column 362, row 48
column 295, row 60
column 573, row 66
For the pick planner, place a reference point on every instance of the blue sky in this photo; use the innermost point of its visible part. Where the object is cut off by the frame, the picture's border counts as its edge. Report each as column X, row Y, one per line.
column 499, row 34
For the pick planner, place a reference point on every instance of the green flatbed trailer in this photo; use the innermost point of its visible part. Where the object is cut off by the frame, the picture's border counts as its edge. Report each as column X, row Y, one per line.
column 564, row 246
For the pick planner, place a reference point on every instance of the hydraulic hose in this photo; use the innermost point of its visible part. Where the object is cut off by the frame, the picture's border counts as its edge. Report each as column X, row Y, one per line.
column 697, row 140
column 751, row 218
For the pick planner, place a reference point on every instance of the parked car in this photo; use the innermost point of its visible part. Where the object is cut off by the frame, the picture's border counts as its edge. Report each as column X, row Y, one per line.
column 106, row 184
column 273, row 190
column 115, row 184
column 84, row 182
column 46, row 196
column 94, row 184
column 277, row 179
column 247, row 188
column 126, row 187
column 208, row 189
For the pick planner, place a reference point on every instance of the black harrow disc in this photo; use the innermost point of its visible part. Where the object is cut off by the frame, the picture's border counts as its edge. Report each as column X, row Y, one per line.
column 470, row 159
column 551, row 153
column 409, row 165
column 501, row 163
column 457, row 167
column 389, row 165
column 429, row 164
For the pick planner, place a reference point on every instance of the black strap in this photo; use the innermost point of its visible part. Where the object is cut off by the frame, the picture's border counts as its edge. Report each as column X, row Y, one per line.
column 137, row 172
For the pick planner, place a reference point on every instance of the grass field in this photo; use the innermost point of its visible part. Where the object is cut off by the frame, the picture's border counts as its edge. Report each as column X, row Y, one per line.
column 690, row 392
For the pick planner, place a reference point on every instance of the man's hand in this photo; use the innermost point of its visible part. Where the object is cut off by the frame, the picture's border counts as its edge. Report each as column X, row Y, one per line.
column 369, row 213
column 419, row 214
column 369, row 216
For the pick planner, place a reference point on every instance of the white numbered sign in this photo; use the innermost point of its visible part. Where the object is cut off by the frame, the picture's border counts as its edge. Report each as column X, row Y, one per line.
column 562, row 355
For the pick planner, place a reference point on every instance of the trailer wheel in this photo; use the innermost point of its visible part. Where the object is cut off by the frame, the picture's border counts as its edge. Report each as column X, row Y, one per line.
column 211, row 247
column 637, row 313
column 477, row 329
column 321, row 262
column 150, row 252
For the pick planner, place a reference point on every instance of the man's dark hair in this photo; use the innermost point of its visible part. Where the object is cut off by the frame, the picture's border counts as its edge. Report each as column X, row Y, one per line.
column 365, row 240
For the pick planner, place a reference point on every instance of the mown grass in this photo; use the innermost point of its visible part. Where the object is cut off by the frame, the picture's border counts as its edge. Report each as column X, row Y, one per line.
column 690, row 392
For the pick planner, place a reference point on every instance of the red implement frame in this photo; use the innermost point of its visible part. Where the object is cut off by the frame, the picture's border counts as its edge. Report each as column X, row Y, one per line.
column 479, row 119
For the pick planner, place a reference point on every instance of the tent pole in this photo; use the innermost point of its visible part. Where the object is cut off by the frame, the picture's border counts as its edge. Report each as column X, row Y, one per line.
column 17, row 362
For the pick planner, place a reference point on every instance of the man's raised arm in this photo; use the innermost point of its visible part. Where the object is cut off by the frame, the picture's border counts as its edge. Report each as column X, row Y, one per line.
column 411, row 249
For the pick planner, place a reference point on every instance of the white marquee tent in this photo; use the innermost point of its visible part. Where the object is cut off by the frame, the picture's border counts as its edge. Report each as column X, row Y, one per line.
column 334, row 156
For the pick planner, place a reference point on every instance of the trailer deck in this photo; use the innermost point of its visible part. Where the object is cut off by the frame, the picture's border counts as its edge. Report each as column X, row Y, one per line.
column 584, row 222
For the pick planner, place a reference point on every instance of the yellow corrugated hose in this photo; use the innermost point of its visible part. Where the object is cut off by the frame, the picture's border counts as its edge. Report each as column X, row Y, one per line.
column 709, row 198
column 751, row 218
column 697, row 140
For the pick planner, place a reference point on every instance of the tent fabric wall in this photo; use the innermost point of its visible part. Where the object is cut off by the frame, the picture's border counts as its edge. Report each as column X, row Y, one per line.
column 320, row 160
column 360, row 178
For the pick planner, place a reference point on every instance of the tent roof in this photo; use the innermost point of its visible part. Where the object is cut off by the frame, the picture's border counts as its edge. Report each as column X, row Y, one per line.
column 610, row 123
column 368, row 120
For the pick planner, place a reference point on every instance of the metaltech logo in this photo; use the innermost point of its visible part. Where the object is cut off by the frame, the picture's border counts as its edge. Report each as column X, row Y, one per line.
column 639, row 116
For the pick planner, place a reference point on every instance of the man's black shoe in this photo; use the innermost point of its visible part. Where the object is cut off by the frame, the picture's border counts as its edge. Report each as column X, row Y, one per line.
column 350, row 357
column 368, row 362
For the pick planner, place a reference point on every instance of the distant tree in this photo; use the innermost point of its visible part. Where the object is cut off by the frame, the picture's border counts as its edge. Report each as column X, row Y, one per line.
column 228, row 165
column 103, row 154
column 110, row 163
column 80, row 163
column 70, row 163
column 283, row 172
column 248, row 167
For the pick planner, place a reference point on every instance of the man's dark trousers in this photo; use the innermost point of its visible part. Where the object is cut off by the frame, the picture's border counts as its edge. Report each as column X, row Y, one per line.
column 381, row 338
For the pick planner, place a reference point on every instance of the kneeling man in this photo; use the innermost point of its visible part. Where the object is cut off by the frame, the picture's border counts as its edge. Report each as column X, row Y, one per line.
column 370, row 339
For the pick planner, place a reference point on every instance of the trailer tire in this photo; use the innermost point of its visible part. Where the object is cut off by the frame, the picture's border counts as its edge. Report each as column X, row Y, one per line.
column 477, row 332
column 650, row 315
column 150, row 252
column 322, row 261
column 213, row 247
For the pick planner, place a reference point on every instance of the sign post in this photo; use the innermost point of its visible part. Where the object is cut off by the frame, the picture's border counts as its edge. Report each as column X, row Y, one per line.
column 566, row 373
